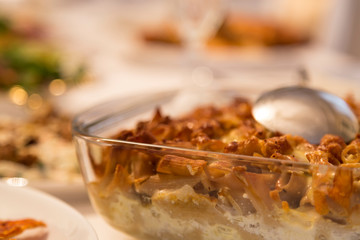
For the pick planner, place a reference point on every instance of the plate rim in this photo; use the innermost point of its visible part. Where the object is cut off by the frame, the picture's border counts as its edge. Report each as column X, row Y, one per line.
column 43, row 196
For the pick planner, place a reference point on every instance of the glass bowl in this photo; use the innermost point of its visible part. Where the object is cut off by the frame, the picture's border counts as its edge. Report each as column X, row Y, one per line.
column 170, row 191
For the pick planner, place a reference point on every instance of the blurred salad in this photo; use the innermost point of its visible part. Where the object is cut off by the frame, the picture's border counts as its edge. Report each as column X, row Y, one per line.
column 28, row 61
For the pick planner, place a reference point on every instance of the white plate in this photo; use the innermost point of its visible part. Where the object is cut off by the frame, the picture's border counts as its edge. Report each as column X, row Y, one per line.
column 64, row 223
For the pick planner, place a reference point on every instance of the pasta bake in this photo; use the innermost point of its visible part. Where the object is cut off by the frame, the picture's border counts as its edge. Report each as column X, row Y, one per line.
column 215, row 173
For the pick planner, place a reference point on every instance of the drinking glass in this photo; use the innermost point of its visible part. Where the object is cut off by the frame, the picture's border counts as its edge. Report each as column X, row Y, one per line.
column 198, row 21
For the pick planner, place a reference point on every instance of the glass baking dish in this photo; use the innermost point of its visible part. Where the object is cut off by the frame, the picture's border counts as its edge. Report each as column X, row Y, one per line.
column 155, row 191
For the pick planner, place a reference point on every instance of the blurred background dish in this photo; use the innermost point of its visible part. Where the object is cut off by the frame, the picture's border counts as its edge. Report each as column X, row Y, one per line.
column 35, row 135
column 235, row 31
column 249, row 31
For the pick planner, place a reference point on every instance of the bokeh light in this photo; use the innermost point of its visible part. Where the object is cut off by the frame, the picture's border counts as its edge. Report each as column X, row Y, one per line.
column 17, row 181
column 35, row 101
column 18, row 95
column 57, row 87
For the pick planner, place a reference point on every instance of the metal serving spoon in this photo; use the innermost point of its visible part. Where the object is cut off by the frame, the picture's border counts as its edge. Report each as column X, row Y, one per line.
column 306, row 112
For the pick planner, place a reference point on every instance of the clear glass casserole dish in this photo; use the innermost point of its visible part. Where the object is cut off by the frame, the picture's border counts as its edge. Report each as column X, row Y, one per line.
column 173, row 191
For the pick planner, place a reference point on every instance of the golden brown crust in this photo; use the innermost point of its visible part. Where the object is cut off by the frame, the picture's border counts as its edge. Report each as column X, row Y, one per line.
column 232, row 129
column 333, row 145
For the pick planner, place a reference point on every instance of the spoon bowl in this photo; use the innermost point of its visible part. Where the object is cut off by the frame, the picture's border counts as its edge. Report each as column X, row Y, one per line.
column 306, row 112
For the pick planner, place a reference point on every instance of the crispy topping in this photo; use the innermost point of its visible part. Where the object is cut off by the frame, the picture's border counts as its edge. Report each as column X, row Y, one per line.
column 333, row 145
column 276, row 145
